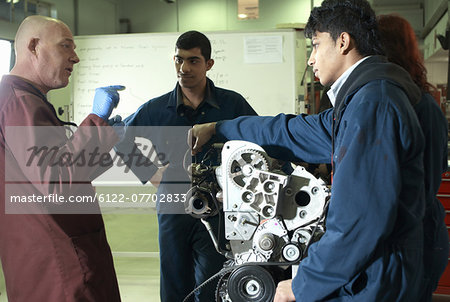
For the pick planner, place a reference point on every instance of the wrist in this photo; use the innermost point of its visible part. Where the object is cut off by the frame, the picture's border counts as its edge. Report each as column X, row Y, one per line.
column 100, row 116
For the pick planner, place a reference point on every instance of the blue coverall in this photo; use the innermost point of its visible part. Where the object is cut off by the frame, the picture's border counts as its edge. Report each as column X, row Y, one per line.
column 187, row 254
column 372, row 249
column 436, row 244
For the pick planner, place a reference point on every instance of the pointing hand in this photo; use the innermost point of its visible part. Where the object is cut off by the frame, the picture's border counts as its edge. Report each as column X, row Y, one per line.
column 105, row 100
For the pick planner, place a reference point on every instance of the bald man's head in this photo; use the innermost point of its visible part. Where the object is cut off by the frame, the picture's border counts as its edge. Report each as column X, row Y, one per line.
column 45, row 52
column 33, row 27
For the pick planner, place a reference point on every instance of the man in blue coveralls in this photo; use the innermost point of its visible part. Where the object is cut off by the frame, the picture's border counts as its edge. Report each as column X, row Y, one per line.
column 372, row 249
column 187, row 254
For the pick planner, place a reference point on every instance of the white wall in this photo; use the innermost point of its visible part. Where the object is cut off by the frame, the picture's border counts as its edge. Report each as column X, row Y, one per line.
column 209, row 15
column 94, row 17
column 412, row 13
column 431, row 6
column 149, row 15
column 436, row 73
column 8, row 30
column 65, row 12
column 97, row 17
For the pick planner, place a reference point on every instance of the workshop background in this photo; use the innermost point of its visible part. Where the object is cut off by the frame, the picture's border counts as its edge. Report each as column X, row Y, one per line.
column 133, row 235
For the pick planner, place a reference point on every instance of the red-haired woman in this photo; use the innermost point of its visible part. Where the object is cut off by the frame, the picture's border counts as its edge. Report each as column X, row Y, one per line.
column 400, row 47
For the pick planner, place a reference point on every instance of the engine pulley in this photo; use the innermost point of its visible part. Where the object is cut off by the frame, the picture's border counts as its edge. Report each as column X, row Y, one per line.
column 251, row 284
column 291, row 252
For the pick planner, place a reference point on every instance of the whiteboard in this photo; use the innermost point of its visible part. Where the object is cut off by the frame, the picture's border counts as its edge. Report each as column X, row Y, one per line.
column 262, row 66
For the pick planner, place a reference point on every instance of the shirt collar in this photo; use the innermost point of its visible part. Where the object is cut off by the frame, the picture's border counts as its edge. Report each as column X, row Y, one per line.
column 208, row 99
column 334, row 89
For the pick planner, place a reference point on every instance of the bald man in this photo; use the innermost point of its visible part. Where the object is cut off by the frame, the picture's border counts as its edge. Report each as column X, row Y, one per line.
column 51, row 252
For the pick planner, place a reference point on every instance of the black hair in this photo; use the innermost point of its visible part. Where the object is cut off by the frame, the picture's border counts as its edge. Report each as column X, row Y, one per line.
column 355, row 17
column 192, row 39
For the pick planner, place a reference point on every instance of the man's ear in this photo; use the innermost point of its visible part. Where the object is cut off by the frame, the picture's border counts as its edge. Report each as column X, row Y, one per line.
column 209, row 64
column 32, row 45
column 345, row 42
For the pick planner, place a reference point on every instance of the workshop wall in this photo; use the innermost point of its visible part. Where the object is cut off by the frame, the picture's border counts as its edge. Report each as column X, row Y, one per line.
column 209, row 15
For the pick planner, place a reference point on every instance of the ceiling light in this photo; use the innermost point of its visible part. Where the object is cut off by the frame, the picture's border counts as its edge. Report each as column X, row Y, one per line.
column 248, row 9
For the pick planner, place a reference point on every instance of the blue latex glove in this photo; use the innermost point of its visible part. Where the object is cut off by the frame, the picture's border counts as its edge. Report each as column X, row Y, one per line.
column 118, row 126
column 105, row 100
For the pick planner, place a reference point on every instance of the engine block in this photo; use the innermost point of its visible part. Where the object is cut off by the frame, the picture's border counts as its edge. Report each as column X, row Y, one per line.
column 269, row 217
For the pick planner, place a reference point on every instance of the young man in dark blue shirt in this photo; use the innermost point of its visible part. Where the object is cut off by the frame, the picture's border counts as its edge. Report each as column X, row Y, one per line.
column 187, row 254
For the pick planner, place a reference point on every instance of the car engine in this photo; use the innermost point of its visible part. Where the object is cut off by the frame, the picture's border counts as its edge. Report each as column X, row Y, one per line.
column 269, row 218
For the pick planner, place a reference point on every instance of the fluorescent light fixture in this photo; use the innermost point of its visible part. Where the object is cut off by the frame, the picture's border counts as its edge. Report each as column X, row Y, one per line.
column 248, row 9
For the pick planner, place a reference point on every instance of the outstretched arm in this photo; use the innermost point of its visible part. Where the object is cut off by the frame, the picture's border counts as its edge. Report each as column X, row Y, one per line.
column 288, row 137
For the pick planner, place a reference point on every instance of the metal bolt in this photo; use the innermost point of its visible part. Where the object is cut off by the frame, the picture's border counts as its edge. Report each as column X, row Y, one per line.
column 232, row 218
column 290, row 252
column 267, row 242
column 302, row 239
column 288, row 192
column 269, row 186
column 252, row 288
column 247, row 196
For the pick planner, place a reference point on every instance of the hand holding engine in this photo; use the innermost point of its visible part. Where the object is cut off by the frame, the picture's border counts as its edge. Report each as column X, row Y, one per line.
column 199, row 135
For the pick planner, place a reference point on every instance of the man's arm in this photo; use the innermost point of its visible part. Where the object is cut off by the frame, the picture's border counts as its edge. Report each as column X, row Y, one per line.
column 139, row 125
column 200, row 134
column 287, row 137
column 44, row 153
